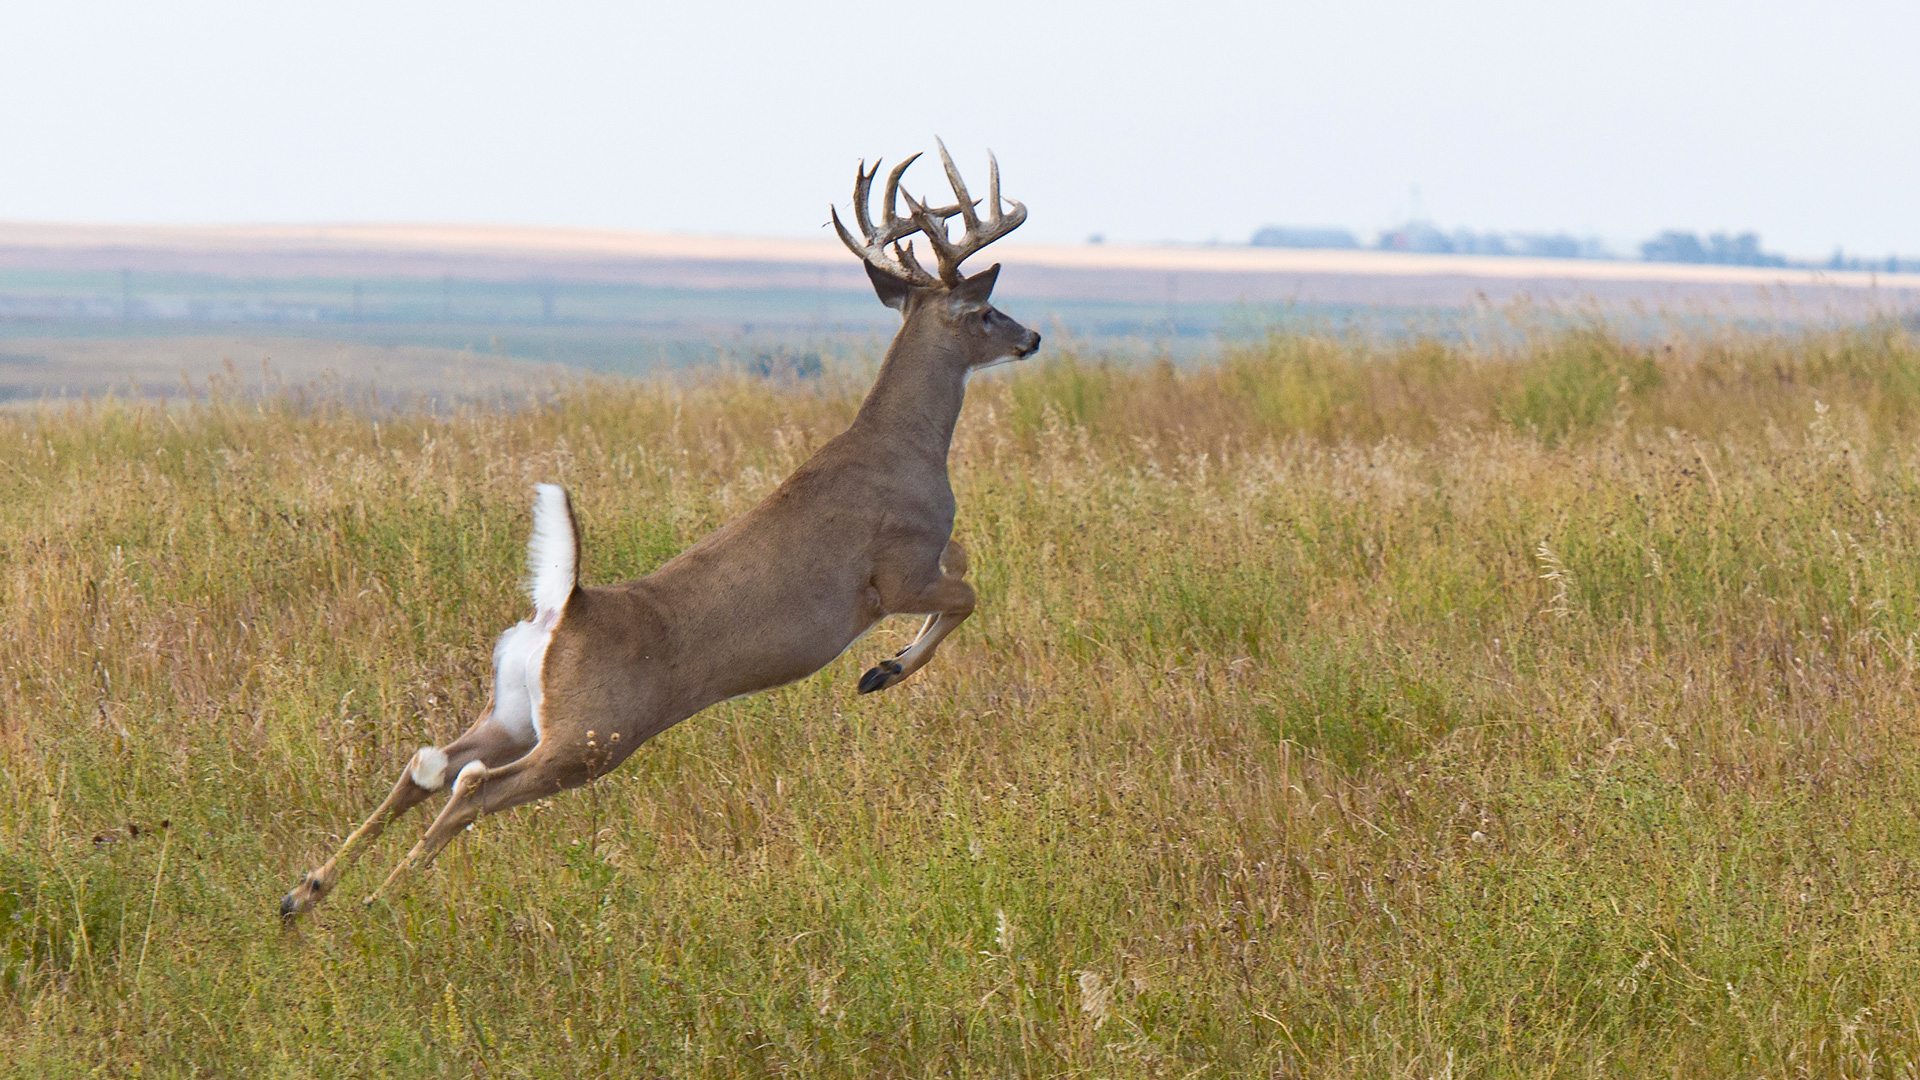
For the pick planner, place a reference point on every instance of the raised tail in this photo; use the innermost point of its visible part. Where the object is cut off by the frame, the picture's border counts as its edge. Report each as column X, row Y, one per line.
column 553, row 554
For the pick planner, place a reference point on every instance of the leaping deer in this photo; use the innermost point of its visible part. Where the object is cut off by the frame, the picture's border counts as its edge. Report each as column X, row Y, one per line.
column 861, row 531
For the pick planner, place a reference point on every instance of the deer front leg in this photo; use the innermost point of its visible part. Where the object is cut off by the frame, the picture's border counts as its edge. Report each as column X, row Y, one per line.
column 947, row 603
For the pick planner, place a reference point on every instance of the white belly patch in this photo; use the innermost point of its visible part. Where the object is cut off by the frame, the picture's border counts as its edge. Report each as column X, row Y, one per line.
column 517, row 662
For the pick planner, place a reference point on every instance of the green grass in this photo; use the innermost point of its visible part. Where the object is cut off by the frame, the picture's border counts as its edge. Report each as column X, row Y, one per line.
column 1333, row 709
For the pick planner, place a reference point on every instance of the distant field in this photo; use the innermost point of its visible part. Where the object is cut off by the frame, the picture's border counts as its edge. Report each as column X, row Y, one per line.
column 612, row 326
column 619, row 301
column 49, row 369
column 1332, row 709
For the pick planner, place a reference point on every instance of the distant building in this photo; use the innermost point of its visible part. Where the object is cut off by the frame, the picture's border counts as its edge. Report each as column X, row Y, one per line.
column 1556, row 246
column 1288, row 236
column 1420, row 236
column 1468, row 242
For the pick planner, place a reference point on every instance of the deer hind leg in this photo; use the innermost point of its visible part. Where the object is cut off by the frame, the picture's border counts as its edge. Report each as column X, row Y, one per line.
column 509, row 729
column 489, row 740
column 480, row 789
column 946, row 603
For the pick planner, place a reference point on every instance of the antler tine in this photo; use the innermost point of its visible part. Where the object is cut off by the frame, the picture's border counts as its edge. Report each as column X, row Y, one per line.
column 979, row 234
column 1016, row 215
column 904, row 252
column 862, row 187
column 930, row 221
column 933, row 226
column 888, row 216
column 893, row 229
column 959, row 187
column 846, row 237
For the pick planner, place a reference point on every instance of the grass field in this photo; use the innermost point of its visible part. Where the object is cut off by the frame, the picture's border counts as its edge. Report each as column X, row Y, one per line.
column 1330, row 710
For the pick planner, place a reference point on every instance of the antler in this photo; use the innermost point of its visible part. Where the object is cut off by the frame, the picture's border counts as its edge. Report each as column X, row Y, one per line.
column 933, row 222
column 929, row 221
column 893, row 228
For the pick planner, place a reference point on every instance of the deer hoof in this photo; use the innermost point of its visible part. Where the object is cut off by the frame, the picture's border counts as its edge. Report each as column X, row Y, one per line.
column 879, row 676
column 302, row 897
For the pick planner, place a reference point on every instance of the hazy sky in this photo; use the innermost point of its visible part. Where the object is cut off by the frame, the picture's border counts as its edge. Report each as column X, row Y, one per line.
column 1182, row 121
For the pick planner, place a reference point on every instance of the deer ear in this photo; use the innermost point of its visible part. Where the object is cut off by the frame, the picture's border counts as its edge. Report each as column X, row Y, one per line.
column 977, row 288
column 893, row 292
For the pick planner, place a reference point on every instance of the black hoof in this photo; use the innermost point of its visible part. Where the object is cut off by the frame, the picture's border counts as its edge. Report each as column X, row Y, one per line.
column 878, row 676
column 290, row 905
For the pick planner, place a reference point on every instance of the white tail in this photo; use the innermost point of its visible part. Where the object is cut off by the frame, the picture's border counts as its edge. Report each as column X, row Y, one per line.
column 553, row 554
column 863, row 530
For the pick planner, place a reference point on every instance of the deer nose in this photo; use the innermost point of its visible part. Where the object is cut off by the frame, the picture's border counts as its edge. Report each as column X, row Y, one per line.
column 1033, row 344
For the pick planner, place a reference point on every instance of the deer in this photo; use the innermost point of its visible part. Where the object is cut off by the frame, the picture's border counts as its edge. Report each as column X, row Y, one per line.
column 862, row 530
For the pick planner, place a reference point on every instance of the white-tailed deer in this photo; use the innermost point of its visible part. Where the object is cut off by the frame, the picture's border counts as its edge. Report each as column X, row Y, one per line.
column 863, row 530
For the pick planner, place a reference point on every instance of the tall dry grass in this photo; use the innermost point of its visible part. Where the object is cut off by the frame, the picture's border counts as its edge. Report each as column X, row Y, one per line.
column 1331, row 710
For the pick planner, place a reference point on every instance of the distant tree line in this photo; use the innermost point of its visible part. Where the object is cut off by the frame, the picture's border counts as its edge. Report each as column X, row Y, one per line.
column 1424, row 237
column 1720, row 250
column 1892, row 264
column 1672, row 246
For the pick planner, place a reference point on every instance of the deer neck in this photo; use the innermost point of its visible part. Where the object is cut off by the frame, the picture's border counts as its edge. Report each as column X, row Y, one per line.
column 915, row 401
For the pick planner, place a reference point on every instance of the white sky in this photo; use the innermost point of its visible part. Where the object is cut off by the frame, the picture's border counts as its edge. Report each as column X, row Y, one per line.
column 1168, row 121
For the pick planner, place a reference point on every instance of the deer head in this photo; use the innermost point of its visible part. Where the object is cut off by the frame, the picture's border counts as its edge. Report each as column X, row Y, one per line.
column 952, row 305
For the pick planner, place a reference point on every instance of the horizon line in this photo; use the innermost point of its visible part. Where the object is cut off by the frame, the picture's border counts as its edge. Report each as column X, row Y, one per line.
column 571, row 243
